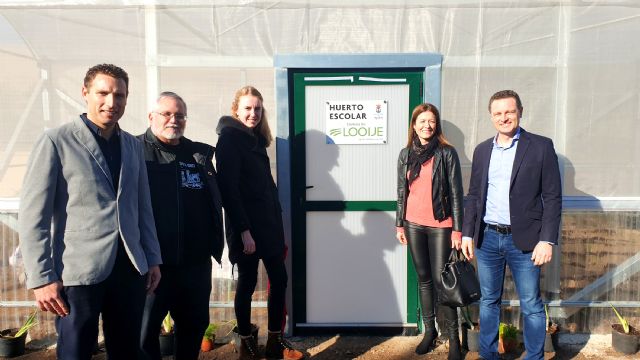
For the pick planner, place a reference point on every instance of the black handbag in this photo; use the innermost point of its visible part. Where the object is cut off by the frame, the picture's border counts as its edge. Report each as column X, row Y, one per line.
column 459, row 284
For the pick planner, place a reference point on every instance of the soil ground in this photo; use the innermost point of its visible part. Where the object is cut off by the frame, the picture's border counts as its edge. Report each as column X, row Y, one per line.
column 388, row 348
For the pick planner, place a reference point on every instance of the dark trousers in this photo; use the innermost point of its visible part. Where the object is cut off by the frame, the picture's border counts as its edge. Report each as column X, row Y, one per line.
column 183, row 291
column 430, row 248
column 120, row 299
column 247, row 279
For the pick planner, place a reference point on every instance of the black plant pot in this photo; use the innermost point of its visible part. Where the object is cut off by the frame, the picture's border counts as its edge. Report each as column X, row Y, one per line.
column 470, row 340
column 551, row 339
column 11, row 346
column 166, row 344
column 624, row 343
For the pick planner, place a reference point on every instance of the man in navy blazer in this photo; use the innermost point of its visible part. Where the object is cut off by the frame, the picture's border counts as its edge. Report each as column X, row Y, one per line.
column 512, row 215
column 86, row 225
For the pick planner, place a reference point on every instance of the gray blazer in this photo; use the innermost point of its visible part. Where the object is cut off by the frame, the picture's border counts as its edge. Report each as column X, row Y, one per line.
column 70, row 216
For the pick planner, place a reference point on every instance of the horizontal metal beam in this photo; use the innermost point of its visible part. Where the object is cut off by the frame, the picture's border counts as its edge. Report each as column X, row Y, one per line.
column 331, row 61
column 515, row 303
column 577, row 203
column 214, row 61
column 356, row 325
column 580, row 303
column 212, row 304
column 569, row 203
column 9, row 205
column 312, row 4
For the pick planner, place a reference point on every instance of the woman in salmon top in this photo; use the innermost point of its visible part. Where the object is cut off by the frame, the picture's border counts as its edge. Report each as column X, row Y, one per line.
column 429, row 215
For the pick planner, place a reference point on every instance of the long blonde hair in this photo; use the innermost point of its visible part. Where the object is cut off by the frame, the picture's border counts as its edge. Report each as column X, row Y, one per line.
column 263, row 126
column 414, row 115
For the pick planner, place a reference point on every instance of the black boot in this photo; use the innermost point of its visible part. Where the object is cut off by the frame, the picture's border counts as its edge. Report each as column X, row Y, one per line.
column 279, row 348
column 249, row 348
column 428, row 342
column 451, row 329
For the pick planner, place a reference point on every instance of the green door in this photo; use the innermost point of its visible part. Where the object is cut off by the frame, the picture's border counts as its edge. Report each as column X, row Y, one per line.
column 350, row 271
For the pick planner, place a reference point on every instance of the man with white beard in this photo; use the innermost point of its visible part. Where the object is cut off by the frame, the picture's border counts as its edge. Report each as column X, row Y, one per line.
column 188, row 215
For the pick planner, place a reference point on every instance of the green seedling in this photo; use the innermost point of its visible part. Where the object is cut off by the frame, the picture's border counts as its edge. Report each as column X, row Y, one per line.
column 28, row 324
column 167, row 324
column 210, row 333
column 546, row 317
column 623, row 321
column 508, row 331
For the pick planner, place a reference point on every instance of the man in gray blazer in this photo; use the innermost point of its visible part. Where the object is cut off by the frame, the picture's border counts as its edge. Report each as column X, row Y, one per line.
column 86, row 225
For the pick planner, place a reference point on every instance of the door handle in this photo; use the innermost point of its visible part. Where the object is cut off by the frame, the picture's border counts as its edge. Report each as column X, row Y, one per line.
column 309, row 187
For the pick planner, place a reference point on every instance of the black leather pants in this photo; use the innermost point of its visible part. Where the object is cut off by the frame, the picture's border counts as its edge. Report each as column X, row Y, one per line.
column 430, row 248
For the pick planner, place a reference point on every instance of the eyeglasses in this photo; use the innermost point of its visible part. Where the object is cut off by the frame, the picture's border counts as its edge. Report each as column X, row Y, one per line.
column 168, row 115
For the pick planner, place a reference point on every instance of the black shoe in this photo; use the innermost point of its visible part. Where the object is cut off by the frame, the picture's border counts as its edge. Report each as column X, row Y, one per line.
column 249, row 348
column 428, row 342
column 455, row 353
column 279, row 348
column 455, row 350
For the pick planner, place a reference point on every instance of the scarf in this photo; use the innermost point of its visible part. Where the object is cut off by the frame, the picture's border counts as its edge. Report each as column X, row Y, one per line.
column 419, row 154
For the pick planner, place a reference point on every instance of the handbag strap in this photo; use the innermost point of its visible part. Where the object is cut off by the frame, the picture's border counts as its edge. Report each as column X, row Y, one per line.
column 455, row 255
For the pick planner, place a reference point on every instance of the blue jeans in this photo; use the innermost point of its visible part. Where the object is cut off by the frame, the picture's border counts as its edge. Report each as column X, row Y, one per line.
column 498, row 250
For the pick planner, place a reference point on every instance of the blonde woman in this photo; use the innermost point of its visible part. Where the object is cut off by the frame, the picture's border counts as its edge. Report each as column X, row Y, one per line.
column 254, row 221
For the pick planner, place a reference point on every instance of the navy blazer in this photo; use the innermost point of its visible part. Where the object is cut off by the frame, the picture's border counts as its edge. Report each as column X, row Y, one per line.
column 535, row 195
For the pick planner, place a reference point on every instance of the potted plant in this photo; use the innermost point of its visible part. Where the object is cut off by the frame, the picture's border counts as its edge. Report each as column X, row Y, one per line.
column 166, row 336
column 470, row 331
column 507, row 338
column 551, row 339
column 12, row 341
column 209, row 338
column 624, row 337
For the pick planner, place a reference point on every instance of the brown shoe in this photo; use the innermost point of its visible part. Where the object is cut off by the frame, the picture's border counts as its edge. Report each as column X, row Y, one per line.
column 279, row 348
column 249, row 348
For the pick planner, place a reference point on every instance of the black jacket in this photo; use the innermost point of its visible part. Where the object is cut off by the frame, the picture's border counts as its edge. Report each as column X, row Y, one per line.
column 447, row 193
column 249, row 194
column 163, row 175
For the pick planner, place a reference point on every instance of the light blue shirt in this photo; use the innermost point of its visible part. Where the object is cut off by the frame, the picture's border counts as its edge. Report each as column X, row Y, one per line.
column 499, row 181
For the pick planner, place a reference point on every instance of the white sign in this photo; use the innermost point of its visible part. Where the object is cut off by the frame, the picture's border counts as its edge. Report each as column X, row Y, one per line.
column 356, row 122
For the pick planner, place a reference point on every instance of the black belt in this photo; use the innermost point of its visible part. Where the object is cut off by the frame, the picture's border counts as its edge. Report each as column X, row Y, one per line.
column 501, row 229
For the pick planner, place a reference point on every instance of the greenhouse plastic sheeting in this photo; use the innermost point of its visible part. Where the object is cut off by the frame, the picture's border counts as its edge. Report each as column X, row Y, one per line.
column 576, row 65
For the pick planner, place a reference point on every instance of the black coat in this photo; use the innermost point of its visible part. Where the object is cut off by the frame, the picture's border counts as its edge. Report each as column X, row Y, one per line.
column 249, row 194
column 163, row 175
column 446, row 181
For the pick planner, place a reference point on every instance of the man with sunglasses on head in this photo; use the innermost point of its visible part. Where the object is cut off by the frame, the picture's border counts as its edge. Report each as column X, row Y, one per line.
column 188, row 215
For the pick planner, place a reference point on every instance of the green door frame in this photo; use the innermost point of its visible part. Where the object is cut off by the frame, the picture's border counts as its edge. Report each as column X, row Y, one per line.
column 285, row 65
column 300, row 206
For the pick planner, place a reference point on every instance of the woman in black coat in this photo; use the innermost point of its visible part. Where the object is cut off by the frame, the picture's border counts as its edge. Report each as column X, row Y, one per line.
column 429, row 215
column 253, row 217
